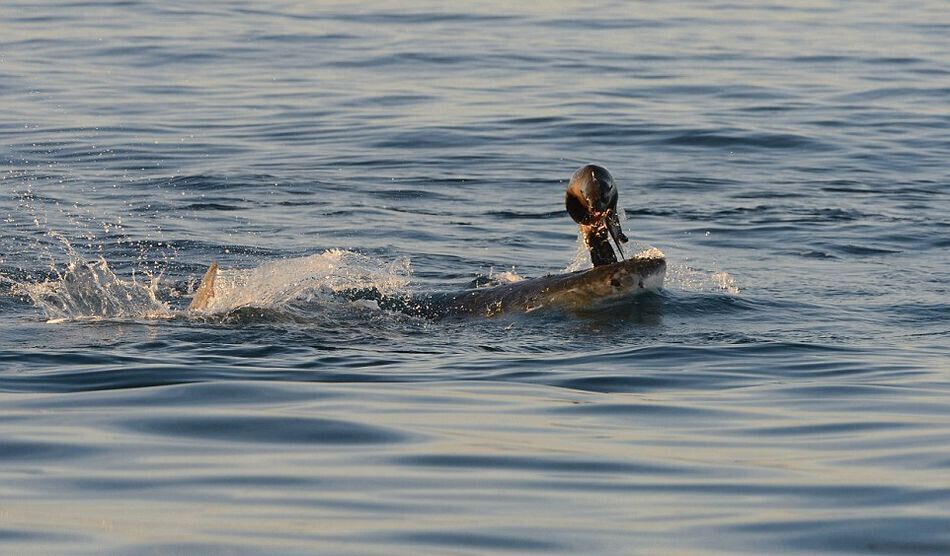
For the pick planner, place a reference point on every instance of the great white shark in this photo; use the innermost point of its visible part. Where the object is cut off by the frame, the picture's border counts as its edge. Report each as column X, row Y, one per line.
column 591, row 200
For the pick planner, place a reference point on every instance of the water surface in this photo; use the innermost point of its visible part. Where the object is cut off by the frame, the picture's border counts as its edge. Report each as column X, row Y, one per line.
column 788, row 391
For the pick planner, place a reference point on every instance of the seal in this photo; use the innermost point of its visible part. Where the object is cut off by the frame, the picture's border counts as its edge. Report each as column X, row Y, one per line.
column 591, row 200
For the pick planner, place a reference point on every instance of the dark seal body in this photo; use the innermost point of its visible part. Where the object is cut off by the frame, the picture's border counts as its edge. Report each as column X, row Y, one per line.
column 591, row 200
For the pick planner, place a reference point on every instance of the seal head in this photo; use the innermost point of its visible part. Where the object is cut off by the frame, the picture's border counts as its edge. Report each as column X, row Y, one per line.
column 591, row 200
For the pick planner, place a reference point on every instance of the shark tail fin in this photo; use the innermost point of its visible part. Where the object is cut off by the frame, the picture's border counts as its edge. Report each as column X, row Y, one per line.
column 205, row 290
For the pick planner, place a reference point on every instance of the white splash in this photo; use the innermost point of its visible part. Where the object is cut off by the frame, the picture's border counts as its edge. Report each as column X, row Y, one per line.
column 82, row 289
column 640, row 250
column 691, row 279
column 91, row 290
column 506, row 277
column 275, row 284
column 726, row 282
column 649, row 253
column 581, row 259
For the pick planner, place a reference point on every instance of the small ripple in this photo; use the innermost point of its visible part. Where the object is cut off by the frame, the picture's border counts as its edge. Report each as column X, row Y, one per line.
column 705, row 138
column 685, row 303
column 892, row 534
column 211, row 206
column 414, row 60
column 519, row 215
column 390, row 100
column 14, row 451
column 819, row 59
column 862, row 250
column 310, row 38
column 895, row 92
column 210, row 182
column 414, row 195
column 421, row 17
column 591, row 23
column 429, row 139
column 645, row 409
column 31, row 535
column 493, row 541
column 813, row 254
column 919, row 312
column 535, row 464
column 614, row 383
column 265, row 429
column 826, row 431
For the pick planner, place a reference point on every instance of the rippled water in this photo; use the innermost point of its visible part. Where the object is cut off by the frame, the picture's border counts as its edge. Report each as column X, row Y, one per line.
column 788, row 390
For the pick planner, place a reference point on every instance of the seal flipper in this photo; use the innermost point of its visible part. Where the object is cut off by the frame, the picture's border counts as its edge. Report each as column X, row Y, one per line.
column 205, row 290
column 601, row 253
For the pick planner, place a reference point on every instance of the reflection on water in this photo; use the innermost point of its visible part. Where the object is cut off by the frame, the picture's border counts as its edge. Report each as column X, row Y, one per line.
column 392, row 468
column 786, row 391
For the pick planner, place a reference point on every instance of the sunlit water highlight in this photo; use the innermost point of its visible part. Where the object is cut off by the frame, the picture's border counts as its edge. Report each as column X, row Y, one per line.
column 786, row 392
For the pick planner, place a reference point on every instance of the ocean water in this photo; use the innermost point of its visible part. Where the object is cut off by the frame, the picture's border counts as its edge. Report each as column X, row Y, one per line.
column 788, row 391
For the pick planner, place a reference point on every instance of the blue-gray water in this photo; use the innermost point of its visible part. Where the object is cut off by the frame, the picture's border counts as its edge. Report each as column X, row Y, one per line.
column 788, row 391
